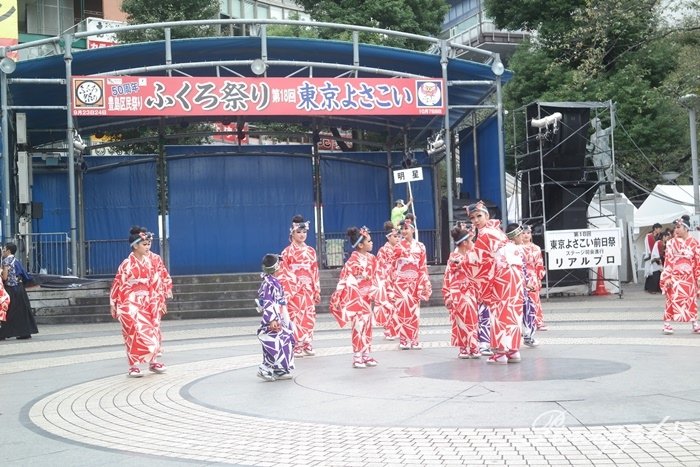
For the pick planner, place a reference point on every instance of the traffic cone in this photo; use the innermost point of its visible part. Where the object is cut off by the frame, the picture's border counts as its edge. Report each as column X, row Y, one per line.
column 600, row 284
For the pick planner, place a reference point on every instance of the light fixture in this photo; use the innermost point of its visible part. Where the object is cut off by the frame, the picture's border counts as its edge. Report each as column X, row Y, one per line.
column 546, row 122
column 692, row 103
column 409, row 160
column 497, row 66
column 436, row 144
column 258, row 66
column 670, row 176
column 7, row 65
column 78, row 143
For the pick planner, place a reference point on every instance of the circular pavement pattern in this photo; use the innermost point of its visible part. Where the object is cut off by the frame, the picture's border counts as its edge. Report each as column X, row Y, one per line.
column 407, row 411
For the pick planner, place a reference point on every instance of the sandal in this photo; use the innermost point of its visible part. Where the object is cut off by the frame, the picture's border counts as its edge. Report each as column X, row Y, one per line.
column 156, row 367
column 134, row 372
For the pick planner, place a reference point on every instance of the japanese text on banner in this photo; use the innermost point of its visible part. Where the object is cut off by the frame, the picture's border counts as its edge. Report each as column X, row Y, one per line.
column 585, row 248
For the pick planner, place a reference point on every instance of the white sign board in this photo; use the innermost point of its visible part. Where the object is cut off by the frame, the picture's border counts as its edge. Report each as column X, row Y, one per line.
column 105, row 38
column 408, row 175
column 585, row 248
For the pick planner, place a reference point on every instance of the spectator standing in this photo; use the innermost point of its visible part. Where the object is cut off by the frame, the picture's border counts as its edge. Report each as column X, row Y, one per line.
column 649, row 242
column 398, row 213
column 19, row 321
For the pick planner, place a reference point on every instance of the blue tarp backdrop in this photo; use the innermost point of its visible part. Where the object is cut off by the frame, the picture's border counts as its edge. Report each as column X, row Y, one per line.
column 490, row 175
column 229, row 205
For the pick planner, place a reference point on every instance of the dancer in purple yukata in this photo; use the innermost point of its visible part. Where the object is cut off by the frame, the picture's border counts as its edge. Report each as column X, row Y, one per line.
column 276, row 332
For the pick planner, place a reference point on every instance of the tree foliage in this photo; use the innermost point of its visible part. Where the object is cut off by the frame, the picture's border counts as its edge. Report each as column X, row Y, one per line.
column 423, row 17
column 158, row 11
column 626, row 51
column 145, row 140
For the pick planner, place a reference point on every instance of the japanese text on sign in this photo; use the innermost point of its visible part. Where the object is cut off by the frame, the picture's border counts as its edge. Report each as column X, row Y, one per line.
column 409, row 175
column 176, row 96
column 586, row 248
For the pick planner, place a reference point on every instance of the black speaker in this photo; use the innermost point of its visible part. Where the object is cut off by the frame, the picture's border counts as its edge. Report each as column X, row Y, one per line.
column 563, row 154
column 37, row 210
column 567, row 189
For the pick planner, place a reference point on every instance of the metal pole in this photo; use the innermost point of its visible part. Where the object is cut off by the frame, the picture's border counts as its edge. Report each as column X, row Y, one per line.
column 501, row 151
column 68, row 57
column 82, row 251
column 694, row 157
column 692, row 102
column 447, row 137
column 316, row 155
column 5, row 227
column 162, row 195
column 477, row 184
column 618, row 221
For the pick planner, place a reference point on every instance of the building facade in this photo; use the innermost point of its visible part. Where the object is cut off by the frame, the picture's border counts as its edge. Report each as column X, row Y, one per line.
column 48, row 18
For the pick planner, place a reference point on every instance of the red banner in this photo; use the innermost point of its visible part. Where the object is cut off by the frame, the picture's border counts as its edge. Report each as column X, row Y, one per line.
column 112, row 96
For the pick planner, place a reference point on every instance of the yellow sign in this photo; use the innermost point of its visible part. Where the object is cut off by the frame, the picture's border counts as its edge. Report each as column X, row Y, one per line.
column 9, row 34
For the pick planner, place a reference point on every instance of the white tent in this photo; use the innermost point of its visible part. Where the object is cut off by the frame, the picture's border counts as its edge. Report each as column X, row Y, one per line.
column 664, row 205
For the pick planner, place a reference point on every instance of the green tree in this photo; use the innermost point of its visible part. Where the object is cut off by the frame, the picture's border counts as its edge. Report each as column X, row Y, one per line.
column 619, row 50
column 145, row 140
column 423, row 17
column 159, row 11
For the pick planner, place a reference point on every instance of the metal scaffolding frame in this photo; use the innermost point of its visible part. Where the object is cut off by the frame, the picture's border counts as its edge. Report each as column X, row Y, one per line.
column 226, row 67
column 536, row 191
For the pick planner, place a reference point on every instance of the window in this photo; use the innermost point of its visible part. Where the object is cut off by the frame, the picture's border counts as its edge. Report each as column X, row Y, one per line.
column 47, row 17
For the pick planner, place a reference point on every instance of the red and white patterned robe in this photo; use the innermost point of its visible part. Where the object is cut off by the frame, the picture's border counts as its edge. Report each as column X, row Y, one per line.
column 4, row 302
column 412, row 286
column 679, row 279
column 536, row 272
column 498, row 272
column 138, row 294
column 352, row 299
column 384, row 302
column 459, row 293
column 302, row 288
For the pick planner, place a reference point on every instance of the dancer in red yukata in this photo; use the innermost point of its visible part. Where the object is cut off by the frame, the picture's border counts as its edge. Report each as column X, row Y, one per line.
column 412, row 285
column 499, row 279
column 300, row 279
column 137, row 300
column 352, row 300
column 4, row 303
column 680, row 278
column 535, row 269
column 459, row 293
column 385, row 300
column 515, row 233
